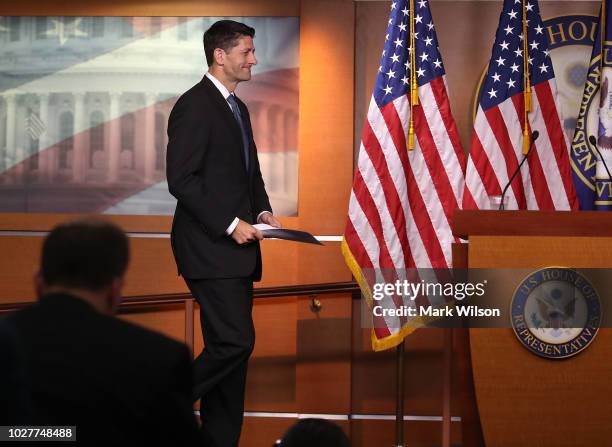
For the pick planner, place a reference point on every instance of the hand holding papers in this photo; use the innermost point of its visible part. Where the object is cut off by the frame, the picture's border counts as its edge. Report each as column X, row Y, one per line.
column 270, row 232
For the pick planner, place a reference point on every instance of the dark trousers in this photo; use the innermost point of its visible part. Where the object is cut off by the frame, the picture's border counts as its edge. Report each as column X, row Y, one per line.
column 220, row 370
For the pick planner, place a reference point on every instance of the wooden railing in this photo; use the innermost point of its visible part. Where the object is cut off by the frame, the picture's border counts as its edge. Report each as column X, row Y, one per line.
column 188, row 301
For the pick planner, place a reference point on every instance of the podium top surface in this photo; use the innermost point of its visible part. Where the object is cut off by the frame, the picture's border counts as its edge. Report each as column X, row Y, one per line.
column 531, row 223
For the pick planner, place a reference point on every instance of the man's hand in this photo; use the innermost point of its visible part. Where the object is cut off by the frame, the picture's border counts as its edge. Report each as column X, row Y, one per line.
column 245, row 233
column 268, row 218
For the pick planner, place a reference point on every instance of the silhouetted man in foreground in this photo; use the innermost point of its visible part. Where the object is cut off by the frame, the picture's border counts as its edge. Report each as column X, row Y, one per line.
column 120, row 384
column 15, row 408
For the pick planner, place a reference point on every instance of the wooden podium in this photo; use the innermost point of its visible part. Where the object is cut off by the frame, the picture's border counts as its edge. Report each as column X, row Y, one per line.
column 523, row 399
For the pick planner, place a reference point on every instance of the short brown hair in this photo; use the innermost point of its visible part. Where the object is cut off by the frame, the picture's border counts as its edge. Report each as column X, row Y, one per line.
column 224, row 34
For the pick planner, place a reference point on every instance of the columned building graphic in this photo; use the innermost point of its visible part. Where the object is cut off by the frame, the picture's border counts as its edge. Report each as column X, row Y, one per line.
column 85, row 129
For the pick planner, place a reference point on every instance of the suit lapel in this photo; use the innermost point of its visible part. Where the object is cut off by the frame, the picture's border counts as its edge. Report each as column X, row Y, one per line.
column 222, row 105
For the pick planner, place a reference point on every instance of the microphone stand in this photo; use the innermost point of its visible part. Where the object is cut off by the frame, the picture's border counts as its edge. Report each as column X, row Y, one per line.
column 534, row 136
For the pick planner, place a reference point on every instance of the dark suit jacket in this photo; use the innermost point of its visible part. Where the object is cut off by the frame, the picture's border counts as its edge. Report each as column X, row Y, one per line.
column 15, row 406
column 207, row 174
column 120, row 384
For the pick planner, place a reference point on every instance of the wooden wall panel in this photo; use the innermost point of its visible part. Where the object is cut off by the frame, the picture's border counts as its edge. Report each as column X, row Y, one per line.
column 18, row 265
column 152, row 269
column 538, row 251
column 463, row 391
column 264, row 431
column 375, row 433
column 323, row 374
column 374, row 385
column 166, row 319
column 288, row 263
column 326, row 90
column 326, row 104
column 46, row 221
column 271, row 381
column 129, row 223
column 374, row 382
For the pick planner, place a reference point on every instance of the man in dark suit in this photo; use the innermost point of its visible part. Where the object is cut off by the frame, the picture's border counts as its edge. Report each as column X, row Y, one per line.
column 213, row 171
column 118, row 383
column 15, row 407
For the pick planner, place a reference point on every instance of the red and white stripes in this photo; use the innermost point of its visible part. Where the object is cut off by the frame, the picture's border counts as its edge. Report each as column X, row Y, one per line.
column 400, row 210
column 544, row 182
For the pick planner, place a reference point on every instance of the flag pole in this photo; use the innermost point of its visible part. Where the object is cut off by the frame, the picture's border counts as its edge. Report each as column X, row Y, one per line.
column 414, row 88
column 602, row 40
column 399, row 397
column 527, row 84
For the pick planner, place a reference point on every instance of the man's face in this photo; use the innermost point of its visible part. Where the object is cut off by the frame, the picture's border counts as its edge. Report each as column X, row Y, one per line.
column 237, row 62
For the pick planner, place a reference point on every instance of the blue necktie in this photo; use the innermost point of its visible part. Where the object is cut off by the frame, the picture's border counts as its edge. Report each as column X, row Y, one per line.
column 245, row 139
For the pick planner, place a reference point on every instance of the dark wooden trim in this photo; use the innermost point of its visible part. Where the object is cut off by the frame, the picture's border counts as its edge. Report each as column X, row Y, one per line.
column 306, row 289
column 45, row 222
column 460, row 255
column 447, row 374
column 531, row 223
column 262, row 292
column 471, row 428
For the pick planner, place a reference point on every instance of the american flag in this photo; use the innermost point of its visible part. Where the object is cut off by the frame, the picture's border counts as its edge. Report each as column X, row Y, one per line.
column 401, row 203
column 545, row 180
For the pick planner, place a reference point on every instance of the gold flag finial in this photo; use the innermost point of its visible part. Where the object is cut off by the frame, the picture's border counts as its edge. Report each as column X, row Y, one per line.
column 527, row 89
column 526, row 84
column 414, row 87
column 602, row 40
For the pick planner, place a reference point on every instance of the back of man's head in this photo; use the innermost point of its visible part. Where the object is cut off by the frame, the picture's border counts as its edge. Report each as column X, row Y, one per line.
column 315, row 432
column 84, row 254
column 224, row 34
